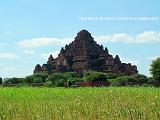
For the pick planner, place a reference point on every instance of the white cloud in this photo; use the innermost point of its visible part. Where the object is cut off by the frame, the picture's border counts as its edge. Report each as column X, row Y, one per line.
column 38, row 42
column 31, row 52
column 9, row 69
column 145, row 37
column 46, row 55
column 153, row 57
column 128, row 60
column 8, row 56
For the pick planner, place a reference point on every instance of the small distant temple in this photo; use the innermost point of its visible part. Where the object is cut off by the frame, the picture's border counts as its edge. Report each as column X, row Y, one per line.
column 83, row 55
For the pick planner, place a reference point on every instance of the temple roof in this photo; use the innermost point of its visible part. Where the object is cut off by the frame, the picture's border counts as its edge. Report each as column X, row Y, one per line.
column 84, row 33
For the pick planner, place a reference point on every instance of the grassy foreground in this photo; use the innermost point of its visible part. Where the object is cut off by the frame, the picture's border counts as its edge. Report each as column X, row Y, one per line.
column 109, row 103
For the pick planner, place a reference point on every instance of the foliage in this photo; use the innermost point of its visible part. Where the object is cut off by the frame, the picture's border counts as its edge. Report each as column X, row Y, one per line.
column 70, row 75
column 48, row 84
column 13, row 80
column 153, row 82
column 59, row 79
column 111, row 75
column 37, row 80
column 137, row 79
column 122, row 81
column 43, row 76
column 95, row 76
column 29, row 79
column 0, row 80
column 71, row 81
column 60, row 83
column 140, row 79
column 155, row 69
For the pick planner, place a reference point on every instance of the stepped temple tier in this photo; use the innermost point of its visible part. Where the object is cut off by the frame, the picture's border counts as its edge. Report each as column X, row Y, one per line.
column 84, row 54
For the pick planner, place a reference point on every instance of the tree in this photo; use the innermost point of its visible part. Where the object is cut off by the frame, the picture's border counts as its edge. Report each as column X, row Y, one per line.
column 140, row 79
column 95, row 77
column 13, row 80
column 155, row 69
column 0, row 80
column 123, row 81
column 37, row 80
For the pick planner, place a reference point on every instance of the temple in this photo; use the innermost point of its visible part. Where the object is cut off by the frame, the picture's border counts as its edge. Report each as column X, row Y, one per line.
column 83, row 55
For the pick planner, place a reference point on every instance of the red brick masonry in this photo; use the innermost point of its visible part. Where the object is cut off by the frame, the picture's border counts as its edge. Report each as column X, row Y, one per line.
column 91, row 84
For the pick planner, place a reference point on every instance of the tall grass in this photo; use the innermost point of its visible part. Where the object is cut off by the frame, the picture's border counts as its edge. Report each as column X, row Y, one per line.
column 108, row 103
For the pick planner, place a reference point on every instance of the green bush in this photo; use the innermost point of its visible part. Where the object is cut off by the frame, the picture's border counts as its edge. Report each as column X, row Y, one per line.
column 13, row 80
column 71, row 81
column 0, row 80
column 124, row 81
column 48, row 84
column 70, row 75
column 60, row 79
column 155, row 69
column 60, row 83
column 29, row 79
column 37, row 80
column 111, row 75
column 140, row 79
column 43, row 76
column 95, row 76
column 136, row 79
column 153, row 82
column 55, row 77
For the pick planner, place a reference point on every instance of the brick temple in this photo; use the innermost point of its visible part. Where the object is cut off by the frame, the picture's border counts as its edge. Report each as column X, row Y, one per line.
column 84, row 54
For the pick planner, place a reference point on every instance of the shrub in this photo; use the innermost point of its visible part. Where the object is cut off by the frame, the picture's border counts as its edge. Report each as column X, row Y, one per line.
column 60, row 79
column 70, row 75
column 95, row 76
column 13, row 80
column 71, row 81
column 0, row 80
column 153, row 82
column 29, row 79
column 37, row 80
column 140, row 79
column 43, row 76
column 60, row 83
column 123, row 81
column 55, row 77
column 155, row 69
column 111, row 75
column 48, row 84
column 136, row 79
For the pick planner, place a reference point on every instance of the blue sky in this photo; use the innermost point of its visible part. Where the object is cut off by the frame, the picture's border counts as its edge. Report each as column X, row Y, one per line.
column 32, row 29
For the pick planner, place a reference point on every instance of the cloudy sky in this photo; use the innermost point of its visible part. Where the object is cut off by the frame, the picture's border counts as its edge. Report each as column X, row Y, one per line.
column 30, row 30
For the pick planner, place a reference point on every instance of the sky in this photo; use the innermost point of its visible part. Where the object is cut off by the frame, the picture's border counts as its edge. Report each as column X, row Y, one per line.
column 31, row 30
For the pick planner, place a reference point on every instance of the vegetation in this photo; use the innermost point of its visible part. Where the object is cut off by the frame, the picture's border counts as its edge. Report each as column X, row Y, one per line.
column 155, row 69
column 13, row 80
column 0, row 80
column 111, row 103
column 69, row 78
column 133, row 80
column 101, row 103
column 95, row 76
column 60, row 79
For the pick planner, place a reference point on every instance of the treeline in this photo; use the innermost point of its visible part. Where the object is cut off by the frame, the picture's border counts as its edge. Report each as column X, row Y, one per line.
column 70, row 78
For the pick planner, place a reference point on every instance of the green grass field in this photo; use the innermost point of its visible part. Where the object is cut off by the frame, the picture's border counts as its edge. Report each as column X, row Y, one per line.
column 108, row 103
